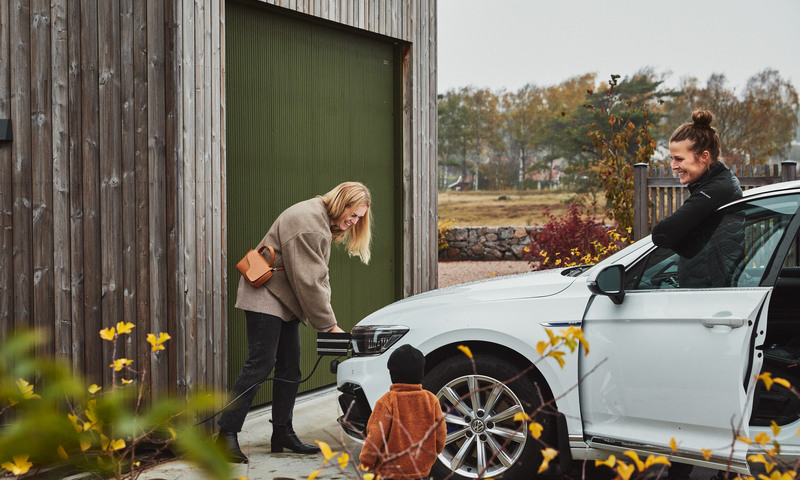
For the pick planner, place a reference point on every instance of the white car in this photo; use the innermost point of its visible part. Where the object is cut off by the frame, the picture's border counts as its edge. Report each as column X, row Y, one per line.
column 665, row 361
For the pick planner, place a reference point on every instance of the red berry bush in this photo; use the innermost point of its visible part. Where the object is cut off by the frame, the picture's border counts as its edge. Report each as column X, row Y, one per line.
column 573, row 239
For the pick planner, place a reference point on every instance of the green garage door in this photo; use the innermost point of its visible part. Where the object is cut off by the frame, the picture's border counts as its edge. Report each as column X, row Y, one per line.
column 309, row 106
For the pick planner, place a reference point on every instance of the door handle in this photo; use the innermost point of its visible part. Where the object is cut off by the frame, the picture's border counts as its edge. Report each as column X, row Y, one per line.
column 731, row 322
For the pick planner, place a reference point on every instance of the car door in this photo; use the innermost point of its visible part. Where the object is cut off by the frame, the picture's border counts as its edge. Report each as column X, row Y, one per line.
column 675, row 357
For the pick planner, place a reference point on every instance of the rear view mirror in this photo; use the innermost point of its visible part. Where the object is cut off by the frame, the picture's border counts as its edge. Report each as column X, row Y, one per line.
column 609, row 282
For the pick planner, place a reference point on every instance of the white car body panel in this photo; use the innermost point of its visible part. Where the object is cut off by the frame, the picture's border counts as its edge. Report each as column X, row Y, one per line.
column 468, row 313
column 695, row 396
column 788, row 438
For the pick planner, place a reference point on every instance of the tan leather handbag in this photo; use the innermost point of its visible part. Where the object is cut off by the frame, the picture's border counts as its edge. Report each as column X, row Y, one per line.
column 255, row 268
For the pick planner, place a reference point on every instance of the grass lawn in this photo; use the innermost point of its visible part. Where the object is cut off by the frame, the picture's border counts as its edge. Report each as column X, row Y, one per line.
column 483, row 208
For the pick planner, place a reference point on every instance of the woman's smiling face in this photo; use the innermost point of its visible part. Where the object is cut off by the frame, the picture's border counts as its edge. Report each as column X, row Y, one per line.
column 688, row 165
column 350, row 217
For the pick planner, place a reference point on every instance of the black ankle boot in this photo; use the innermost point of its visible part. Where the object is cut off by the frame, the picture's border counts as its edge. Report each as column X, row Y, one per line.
column 229, row 443
column 283, row 436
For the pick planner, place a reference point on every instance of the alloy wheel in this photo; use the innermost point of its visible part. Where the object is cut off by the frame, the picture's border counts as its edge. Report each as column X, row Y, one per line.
column 483, row 439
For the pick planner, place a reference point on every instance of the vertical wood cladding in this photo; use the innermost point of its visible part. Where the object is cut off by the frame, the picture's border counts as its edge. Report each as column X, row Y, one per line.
column 112, row 191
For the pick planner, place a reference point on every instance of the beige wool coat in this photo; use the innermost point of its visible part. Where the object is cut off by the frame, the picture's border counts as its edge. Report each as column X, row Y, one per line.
column 301, row 238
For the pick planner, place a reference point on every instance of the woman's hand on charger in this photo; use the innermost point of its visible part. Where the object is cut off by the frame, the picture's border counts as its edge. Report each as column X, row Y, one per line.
column 336, row 329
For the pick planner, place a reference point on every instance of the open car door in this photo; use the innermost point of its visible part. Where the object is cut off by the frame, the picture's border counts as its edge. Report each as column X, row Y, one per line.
column 674, row 340
column 663, row 366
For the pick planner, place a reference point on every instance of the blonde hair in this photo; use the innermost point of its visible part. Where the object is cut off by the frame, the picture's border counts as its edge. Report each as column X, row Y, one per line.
column 358, row 237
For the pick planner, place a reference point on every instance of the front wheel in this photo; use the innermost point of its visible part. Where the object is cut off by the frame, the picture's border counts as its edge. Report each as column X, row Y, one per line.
column 483, row 439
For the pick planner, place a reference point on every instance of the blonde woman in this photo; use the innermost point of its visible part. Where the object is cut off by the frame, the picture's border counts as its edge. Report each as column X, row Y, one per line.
column 301, row 237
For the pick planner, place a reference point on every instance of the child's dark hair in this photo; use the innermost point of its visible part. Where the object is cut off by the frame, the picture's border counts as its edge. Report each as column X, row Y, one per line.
column 700, row 132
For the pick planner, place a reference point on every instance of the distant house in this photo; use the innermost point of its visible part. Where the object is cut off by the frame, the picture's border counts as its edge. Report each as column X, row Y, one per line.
column 549, row 177
column 461, row 184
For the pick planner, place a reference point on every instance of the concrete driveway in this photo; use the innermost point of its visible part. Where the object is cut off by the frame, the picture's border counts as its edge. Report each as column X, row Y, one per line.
column 315, row 417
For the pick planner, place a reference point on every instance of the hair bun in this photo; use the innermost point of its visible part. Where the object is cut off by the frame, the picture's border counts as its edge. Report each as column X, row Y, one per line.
column 702, row 118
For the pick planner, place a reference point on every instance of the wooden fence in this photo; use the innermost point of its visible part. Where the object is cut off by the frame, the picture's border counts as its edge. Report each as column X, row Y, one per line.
column 657, row 193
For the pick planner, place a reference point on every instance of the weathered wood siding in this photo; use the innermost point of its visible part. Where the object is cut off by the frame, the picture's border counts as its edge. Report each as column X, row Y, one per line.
column 111, row 193
column 413, row 22
column 112, row 189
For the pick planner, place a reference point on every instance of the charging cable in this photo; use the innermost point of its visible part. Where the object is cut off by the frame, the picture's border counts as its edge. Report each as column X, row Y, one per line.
column 258, row 385
column 328, row 344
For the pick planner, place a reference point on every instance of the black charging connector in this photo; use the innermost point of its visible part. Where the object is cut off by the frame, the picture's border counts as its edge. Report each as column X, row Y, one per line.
column 333, row 344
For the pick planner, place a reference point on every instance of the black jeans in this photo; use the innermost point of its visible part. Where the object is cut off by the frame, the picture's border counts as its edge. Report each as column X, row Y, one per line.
column 271, row 342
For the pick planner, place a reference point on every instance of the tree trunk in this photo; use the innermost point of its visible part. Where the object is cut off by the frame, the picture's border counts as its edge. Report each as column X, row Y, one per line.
column 475, row 180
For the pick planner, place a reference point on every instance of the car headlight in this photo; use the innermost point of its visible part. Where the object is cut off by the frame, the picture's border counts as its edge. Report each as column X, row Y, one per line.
column 375, row 339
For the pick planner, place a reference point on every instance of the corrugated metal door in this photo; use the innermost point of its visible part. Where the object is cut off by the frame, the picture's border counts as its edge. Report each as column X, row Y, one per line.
column 310, row 106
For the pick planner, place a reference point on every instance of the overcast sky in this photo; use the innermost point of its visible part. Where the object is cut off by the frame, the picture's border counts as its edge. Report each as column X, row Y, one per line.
column 508, row 43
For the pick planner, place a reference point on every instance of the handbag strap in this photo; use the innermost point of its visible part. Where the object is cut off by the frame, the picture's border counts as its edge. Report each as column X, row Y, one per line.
column 271, row 256
column 271, row 253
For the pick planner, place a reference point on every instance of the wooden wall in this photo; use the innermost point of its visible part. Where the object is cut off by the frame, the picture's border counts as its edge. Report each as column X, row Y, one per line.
column 111, row 193
column 112, row 189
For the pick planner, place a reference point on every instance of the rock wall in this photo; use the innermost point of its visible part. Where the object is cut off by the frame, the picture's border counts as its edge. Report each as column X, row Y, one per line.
column 485, row 243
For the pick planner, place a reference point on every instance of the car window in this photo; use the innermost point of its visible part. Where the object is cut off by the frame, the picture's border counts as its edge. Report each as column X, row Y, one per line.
column 792, row 260
column 659, row 270
column 732, row 248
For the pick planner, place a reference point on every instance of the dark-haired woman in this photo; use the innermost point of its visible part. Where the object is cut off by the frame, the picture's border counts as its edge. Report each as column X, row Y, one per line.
column 695, row 149
column 301, row 237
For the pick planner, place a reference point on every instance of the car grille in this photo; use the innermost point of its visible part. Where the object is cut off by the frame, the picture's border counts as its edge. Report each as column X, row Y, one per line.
column 356, row 409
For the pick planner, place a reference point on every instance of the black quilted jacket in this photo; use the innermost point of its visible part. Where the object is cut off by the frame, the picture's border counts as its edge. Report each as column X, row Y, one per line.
column 710, row 244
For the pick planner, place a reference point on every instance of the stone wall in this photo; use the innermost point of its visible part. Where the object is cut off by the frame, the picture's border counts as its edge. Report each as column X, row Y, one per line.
column 485, row 243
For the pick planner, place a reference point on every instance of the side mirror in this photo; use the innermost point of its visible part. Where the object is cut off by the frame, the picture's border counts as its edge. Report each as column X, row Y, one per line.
column 609, row 282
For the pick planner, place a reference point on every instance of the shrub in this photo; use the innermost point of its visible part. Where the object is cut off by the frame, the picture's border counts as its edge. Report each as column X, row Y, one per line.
column 443, row 227
column 57, row 426
column 573, row 239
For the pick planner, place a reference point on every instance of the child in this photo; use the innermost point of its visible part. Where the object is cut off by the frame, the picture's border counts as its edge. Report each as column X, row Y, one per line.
column 406, row 430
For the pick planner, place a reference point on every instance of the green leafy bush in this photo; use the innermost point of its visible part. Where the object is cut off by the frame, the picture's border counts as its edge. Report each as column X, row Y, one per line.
column 54, row 423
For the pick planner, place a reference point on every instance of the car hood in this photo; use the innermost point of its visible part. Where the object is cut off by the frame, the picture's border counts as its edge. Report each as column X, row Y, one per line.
column 524, row 285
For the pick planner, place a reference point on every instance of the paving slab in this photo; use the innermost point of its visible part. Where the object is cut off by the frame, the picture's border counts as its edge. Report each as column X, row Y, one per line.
column 315, row 415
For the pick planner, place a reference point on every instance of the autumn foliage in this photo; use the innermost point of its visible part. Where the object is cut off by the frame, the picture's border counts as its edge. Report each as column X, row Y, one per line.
column 57, row 426
column 573, row 239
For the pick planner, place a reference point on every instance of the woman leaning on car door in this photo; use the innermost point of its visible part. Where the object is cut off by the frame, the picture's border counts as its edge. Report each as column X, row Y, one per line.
column 695, row 150
column 301, row 237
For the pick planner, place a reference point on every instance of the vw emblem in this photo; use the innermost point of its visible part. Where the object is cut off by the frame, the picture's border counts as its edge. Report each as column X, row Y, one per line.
column 478, row 426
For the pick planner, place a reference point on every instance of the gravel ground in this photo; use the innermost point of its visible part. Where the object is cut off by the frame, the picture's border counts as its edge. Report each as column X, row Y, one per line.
column 453, row 273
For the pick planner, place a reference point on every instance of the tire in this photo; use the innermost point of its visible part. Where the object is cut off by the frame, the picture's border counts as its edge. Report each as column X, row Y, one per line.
column 483, row 440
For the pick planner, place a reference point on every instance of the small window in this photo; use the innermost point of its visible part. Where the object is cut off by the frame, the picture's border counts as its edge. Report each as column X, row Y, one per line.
column 659, row 270
column 790, row 270
column 793, row 257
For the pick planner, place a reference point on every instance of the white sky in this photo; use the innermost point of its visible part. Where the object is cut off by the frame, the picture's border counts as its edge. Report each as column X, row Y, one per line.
column 508, row 43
